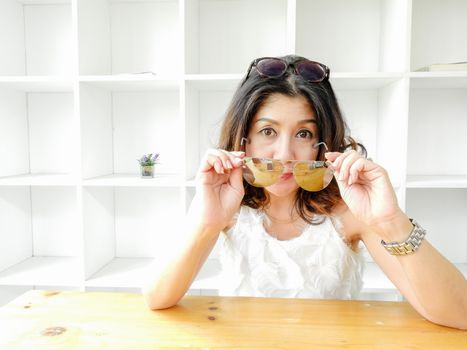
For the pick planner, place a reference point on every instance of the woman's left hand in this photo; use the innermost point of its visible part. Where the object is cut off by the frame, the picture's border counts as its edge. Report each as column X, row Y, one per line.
column 366, row 189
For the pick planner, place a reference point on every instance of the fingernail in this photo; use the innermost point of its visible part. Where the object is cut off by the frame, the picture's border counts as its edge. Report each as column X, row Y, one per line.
column 218, row 167
column 229, row 165
column 341, row 176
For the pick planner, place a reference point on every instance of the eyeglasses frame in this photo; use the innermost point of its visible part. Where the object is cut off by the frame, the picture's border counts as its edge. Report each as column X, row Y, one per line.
column 312, row 164
column 293, row 65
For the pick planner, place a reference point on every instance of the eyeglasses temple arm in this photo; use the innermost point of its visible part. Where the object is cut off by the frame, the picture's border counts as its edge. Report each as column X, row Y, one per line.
column 248, row 73
column 323, row 144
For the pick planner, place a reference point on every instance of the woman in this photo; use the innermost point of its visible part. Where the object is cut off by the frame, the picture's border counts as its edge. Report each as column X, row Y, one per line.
column 294, row 195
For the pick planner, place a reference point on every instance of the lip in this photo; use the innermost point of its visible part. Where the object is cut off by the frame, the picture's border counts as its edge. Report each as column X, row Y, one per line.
column 286, row 176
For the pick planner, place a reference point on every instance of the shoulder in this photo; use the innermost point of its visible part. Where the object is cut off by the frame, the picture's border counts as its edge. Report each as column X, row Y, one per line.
column 352, row 229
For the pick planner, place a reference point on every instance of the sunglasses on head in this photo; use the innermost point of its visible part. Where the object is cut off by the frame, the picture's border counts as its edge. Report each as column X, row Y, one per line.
column 274, row 67
column 311, row 175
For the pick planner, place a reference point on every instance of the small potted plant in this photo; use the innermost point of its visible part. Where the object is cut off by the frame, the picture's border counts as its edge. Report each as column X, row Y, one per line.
column 147, row 162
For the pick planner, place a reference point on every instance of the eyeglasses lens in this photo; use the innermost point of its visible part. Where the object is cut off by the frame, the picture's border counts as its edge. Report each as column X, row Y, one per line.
column 271, row 67
column 262, row 172
column 312, row 176
column 311, row 71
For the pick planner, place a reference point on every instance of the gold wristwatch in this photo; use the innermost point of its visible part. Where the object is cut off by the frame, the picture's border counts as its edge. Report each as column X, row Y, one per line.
column 410, row 245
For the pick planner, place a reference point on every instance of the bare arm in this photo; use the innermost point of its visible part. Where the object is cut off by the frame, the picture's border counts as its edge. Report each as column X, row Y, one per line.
column 430, row 282
column 219, row 192
column 171, row 280
column 434, row 287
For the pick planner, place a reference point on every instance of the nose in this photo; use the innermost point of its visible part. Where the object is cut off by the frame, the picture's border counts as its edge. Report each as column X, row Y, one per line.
column 284, row 149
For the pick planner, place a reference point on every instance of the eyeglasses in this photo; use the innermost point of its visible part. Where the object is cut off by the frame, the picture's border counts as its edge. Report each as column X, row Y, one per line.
column 274, row 67
column 311, row 175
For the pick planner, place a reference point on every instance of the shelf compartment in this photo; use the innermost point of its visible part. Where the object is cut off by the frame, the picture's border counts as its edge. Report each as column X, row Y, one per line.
column 39, row 227
column 118, row 127
column 131, row 180
column 372, row 36
column 206, row 104
column 37, row 36
column 39, row 180
column 217, row 82
column 36, row 84
column 128, row 37
column 433, row 150
column 425, row 204
column 437, row 181
column 438, row 80
column 362, row 81
column 128, row 222
column 251, row 29
column 376, row 118
column 133, row 82
column 39, row 128
column 122, row 273
column 440, row 43
column 45, row 271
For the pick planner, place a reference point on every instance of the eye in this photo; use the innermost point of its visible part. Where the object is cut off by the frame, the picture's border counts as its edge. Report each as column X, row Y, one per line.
column 305, row 134
column 268, row 132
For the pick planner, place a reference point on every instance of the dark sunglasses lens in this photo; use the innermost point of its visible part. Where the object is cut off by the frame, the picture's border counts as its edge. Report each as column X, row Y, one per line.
column 271, row 67
column 311, row 71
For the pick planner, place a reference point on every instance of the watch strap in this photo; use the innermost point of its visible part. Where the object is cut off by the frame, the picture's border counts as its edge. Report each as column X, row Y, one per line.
column 410, row 245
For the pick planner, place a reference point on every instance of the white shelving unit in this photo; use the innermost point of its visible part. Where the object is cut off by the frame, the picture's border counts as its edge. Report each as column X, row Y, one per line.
column 87, row 86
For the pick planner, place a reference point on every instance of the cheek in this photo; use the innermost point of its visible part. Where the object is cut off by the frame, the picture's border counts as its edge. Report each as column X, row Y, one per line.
column 260, row 150
column 307, row 152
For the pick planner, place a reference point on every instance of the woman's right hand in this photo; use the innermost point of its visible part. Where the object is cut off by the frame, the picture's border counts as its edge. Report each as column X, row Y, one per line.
column 219, row 188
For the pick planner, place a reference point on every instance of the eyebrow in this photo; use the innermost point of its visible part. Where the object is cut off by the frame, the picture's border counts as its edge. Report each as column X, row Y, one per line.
column 272, row 121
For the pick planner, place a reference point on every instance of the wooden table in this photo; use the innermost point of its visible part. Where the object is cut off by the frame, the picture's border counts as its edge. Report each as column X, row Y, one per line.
column 78, row 320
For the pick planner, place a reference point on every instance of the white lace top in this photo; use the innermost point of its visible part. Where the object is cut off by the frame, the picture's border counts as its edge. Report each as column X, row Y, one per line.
column 316, row 264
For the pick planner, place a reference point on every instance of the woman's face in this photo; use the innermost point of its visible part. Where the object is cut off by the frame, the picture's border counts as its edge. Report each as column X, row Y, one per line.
column 284, row 128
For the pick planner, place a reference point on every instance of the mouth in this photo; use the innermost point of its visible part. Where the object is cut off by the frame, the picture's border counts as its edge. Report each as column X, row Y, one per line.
column 286, row 176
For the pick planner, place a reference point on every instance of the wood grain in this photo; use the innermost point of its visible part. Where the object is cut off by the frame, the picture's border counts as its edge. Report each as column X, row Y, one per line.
column 79, row 320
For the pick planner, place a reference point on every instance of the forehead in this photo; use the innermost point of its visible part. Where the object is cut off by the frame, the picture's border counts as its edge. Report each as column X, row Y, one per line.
column 285, row 109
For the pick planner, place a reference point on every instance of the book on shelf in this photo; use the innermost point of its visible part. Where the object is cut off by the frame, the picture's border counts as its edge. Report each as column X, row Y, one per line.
column 444, row 67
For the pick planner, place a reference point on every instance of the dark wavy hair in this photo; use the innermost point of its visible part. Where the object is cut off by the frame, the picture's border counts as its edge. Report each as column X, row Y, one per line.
column 333, row 130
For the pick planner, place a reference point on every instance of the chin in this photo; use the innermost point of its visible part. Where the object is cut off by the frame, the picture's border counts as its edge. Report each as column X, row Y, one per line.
column 282, row 190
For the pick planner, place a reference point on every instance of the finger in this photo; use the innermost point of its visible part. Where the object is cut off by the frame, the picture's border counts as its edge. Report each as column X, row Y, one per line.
column 332, row 156
column 212, row 160
column 221, row 160
column 230, row 159
column 338, row 161
column 218, row 166
column 347, row 162
column 240, row 154
column 236, row 179
column 235, row 158
column 356, row 168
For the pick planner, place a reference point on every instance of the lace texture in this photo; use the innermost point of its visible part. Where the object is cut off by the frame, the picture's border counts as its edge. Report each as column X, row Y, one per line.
column 317, row 264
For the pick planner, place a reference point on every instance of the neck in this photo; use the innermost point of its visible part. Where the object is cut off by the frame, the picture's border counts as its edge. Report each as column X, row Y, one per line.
column 282, row 208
